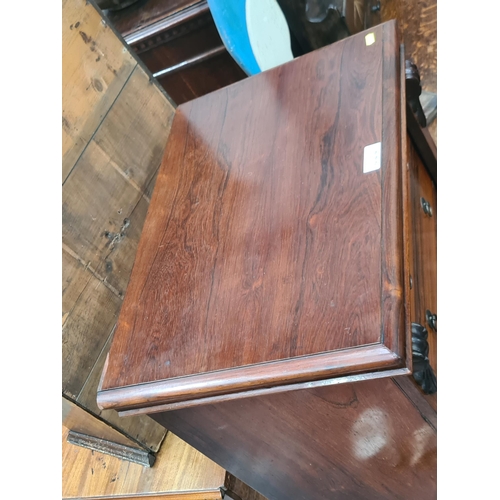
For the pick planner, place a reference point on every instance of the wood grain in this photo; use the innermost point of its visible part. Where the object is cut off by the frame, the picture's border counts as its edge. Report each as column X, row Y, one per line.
column 351, row 441
column 263, row 181
column 141, row 429
column 424, row 248
column 248, row 381
column 75, row 279
column 238, row 490
column 244, row 203
column 177, row 49
column 95, row 68
column 160, row 408
column 85, row 333
column 395, row 329
column 109, row 179
column 115, row 126
column 179, row 471
column 200, row 79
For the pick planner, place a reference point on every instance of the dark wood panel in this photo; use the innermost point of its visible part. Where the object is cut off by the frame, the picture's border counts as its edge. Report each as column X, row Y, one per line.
column 205, row 76
column 202, row 78
column 179, row 36
column 243, row 204
column 354, row 441
column 424, row 253
column 238, row 490
column 147, row 12
column 179, row 49
column 424, row 248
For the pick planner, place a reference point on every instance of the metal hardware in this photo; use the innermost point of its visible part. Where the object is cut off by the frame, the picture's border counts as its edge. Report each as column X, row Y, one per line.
column 431, row 320
column 426, row 207
column 376, row 8
column 411, row 282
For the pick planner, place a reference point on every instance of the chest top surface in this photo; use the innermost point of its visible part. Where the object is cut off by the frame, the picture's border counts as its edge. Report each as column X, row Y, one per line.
column 271, row 252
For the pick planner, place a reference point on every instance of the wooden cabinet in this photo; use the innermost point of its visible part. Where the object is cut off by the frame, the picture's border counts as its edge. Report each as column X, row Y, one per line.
column 271, row 316
column 178, row 42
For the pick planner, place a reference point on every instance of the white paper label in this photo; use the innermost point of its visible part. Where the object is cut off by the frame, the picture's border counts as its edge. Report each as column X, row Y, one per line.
column 370, row 39
column 372, row 157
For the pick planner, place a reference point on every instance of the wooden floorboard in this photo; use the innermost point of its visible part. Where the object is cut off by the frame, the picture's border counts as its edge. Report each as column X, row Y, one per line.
column 180, row 472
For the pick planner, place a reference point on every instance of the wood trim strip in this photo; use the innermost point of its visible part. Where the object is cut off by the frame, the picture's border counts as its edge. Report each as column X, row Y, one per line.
column 136, row 455
column 424, row 144
column 191, row 62
column 406, row 200
column 398, row 372
column 168, row 23
column 277, row 373
column 392, row 298
column 211, row 494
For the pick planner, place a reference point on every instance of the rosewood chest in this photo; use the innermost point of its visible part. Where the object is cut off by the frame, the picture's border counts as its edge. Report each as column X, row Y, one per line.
column 281, row 312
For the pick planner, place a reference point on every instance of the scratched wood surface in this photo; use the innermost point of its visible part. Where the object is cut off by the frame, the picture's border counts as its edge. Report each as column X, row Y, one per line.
column 115, row 126
column 180, row 472
column 364, row 440
column 95, row 68
column 261, row 220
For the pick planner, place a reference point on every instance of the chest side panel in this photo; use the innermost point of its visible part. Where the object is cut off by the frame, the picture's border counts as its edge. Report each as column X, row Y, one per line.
column 362, row 440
